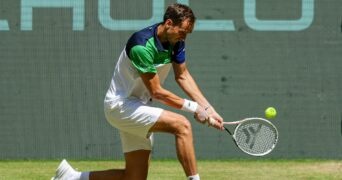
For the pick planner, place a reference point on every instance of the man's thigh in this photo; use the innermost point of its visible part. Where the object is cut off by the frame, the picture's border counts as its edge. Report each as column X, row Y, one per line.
column 170, row 122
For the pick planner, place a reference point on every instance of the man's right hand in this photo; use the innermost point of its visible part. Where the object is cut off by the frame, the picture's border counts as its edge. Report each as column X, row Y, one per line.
column 201, row 115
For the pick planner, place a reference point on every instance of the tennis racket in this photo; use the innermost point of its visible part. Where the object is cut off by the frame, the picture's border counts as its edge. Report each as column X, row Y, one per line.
column 254, row 136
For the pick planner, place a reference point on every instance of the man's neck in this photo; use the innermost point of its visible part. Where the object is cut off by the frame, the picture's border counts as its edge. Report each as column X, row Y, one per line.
column 161, row 33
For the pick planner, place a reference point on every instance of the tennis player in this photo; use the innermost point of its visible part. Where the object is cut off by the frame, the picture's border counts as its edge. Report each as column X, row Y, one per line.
column 137, row 82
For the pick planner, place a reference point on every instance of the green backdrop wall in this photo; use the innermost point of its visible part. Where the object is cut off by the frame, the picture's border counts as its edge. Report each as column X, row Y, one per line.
column 57, row 59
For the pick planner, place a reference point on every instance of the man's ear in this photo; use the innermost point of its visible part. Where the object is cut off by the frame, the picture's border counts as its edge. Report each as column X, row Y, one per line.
column 168, row 23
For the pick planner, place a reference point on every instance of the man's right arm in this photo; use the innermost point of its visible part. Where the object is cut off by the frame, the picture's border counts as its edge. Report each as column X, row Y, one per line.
column 152, row 83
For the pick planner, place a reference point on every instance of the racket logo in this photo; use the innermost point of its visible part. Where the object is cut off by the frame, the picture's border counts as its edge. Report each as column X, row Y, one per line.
column 251, row 135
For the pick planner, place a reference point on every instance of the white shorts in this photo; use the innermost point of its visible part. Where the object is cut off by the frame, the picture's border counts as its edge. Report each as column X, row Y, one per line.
column 133, row 119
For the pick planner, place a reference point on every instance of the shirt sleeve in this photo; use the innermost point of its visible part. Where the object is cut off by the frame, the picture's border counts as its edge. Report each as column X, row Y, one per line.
column 178, row 53
column 142, row 59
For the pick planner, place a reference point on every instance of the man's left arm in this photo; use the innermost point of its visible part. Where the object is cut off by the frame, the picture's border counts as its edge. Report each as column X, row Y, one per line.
column 190, row 87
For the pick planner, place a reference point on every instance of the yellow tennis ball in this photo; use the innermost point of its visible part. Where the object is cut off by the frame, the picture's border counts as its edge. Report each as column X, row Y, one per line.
column 270, row 113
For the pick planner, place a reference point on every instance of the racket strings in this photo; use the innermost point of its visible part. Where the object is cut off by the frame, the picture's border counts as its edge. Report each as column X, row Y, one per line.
column 256, row 138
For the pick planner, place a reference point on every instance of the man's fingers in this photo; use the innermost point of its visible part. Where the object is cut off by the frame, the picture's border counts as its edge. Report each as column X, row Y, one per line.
column 216, row 123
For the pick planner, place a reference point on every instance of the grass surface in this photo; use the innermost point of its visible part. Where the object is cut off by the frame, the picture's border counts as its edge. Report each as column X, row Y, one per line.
column 171, row 169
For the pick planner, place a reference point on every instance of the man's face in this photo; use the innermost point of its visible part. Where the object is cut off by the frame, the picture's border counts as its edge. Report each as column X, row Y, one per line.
column 179, row 32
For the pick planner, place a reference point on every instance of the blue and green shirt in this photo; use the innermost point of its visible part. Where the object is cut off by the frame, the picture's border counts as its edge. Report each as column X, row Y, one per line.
column 145, row 50
column 143, row 53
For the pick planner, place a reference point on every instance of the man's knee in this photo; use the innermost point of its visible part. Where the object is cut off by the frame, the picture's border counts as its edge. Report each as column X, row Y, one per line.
column 183, row 127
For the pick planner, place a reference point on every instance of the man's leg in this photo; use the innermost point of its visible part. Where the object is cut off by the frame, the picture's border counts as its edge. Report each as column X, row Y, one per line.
column 179, row 126
column 137, row 163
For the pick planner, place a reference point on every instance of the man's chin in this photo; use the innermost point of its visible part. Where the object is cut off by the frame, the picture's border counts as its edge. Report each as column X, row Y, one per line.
column 174, row 42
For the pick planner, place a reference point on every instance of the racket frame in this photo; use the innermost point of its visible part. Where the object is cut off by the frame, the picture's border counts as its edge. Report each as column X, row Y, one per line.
column 238, row 123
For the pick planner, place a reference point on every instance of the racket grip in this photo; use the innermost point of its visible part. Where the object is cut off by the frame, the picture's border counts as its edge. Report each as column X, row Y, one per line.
column 211, row 121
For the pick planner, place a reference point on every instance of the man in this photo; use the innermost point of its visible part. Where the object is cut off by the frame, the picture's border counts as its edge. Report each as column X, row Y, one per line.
column 137, row 81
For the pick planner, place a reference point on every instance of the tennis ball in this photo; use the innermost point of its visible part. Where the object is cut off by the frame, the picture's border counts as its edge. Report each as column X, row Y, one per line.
column 270, row 113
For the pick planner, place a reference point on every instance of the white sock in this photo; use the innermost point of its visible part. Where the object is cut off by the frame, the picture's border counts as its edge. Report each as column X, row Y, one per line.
column 84, row 176
column 194, row 177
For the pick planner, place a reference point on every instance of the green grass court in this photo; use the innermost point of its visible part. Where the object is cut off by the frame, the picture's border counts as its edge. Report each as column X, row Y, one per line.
column 171, row 169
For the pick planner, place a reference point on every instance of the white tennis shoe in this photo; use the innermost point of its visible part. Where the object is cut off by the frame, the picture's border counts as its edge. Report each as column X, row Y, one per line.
column 66, row 172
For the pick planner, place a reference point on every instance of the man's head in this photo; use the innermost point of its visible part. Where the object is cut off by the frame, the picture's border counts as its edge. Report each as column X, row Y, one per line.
column 179, row 20
column 178, row 13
